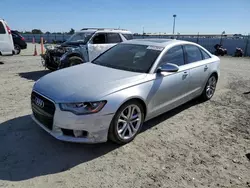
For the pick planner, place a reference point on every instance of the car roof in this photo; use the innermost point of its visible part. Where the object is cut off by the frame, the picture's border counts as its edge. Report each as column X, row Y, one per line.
column 157, row 42
column 106, row 30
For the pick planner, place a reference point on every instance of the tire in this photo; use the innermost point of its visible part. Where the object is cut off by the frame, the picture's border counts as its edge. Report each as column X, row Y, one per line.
column 17, row 49
column 116, row 126
column 75, row 61
column 210, row 87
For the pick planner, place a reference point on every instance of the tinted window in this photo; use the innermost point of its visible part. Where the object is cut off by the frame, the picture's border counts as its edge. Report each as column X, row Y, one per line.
column 14, row 35
column 129, row 57
column 174, row 55
column 2, row 30
column 114, row 38
column 193, row 53
column 205, row 54
column 99, row 38
column 128, row 36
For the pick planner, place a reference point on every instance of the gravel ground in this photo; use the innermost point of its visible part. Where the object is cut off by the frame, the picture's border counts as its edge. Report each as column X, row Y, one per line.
column 196, row 145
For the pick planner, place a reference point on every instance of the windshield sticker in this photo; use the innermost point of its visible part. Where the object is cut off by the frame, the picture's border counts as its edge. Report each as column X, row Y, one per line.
column 155, row 48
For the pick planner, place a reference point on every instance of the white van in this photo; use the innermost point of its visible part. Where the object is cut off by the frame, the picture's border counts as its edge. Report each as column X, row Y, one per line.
column 6, row 40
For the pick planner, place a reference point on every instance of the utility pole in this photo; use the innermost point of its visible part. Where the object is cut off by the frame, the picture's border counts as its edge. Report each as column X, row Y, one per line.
column 223, row 33
column 174, row 23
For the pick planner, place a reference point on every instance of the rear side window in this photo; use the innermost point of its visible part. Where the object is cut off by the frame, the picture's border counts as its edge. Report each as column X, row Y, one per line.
column 173, row 55
column 205, row 54
column 2, row 29
column 193, row 53
column 128, row 36
column 114, row 38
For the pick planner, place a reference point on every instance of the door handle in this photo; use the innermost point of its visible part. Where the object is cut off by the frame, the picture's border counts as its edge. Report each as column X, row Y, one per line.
column 205, row 68
column 184, row 75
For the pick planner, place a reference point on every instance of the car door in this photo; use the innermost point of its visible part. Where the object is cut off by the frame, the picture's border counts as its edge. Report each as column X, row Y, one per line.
column 101, row 42
column 170, row 89
column 198, row 63
column 6, row 41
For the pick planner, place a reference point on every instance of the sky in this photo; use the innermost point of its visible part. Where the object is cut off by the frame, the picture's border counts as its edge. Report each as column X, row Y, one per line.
column 193, row 16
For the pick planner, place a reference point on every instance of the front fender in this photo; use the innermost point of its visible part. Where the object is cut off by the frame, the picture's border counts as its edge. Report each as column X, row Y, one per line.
column 64, row 60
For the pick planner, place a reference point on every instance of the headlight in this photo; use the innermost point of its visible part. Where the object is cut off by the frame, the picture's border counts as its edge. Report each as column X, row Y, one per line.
column 83, row 107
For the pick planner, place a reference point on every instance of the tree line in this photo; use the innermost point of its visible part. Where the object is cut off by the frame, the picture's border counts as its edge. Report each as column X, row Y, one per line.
column 39, row 31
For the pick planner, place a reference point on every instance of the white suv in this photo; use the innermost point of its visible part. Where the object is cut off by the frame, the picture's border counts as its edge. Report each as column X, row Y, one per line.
column 84, row 46
column 6, row 40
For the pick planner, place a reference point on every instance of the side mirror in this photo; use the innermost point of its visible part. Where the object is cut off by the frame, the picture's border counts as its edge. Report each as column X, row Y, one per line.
column 168, row 67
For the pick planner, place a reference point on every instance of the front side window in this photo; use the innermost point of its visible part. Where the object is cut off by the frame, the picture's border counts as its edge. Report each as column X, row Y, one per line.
column 99, row 38
column 174, row 55
column 129, row 57
column 2, row 30
column 193, row 53
column 80, row 37
column 114, row 38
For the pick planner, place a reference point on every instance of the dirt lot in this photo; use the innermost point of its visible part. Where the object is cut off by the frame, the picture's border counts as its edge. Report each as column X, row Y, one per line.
column 196, row 145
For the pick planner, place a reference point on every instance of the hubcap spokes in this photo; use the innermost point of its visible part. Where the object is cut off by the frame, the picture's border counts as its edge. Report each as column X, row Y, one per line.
column 129, row 122
column 211, row 87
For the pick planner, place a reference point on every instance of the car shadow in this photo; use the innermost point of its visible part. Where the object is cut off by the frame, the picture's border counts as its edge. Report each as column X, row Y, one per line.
column 245, row 93
column 157, row 120
column 1, row 63
column 27, row 151
column 35, row 75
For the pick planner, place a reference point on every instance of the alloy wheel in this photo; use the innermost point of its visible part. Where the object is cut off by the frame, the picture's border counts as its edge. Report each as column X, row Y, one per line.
column 129, row 122
column 210, row 89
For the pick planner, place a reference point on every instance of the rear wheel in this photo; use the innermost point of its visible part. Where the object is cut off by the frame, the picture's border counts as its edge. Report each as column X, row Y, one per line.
column 75, row 61
column 209, row 89
column 17, row 49
column 127, row 122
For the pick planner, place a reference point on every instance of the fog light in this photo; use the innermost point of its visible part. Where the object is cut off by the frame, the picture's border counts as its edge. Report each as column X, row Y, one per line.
column 77, row 133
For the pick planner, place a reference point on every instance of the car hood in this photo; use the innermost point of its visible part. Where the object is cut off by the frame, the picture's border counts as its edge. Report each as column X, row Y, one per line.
column 85, row 82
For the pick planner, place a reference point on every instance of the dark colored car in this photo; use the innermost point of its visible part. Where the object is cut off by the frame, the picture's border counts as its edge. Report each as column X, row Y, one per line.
column 19, row 42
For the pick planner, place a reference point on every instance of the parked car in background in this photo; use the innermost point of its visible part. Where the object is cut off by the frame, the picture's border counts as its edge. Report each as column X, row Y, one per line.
column 19, row 41
column 83, row 46
column 132, row 82
column 6, row 41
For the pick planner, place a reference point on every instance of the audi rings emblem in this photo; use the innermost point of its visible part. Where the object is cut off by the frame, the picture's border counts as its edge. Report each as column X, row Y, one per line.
column 39, row 102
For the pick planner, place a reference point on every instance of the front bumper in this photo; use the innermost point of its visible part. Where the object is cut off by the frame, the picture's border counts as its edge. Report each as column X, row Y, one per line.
column 95, row 125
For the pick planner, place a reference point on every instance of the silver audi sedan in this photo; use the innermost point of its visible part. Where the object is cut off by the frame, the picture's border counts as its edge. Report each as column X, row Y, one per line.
column 112, row 96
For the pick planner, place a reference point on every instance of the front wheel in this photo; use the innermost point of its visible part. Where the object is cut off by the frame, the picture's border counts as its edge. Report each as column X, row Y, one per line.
column 75, row 61
column 209, row 89
column 127, row 122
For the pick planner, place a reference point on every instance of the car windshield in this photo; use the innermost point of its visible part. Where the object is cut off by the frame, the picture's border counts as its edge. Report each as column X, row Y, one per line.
column 80, row 37
column 129, row 57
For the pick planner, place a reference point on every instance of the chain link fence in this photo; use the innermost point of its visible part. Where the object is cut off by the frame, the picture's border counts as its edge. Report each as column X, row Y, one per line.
column 208, row 42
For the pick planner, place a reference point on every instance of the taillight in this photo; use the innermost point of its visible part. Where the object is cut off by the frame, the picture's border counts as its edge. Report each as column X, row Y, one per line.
column 8, row 29
column 23, row 38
